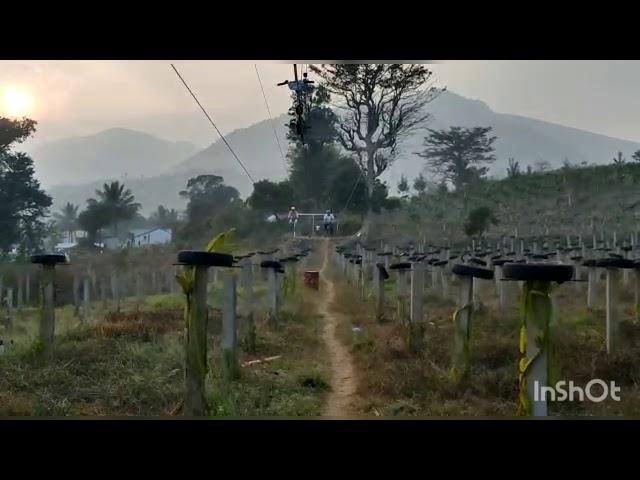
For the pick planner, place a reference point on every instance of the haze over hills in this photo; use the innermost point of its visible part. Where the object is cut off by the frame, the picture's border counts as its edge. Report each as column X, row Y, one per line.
column 525, row 139
column 113, row 153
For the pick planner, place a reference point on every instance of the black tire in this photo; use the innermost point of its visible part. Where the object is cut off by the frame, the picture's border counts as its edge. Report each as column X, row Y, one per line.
column 204, row 259
column 542, row 272
column 400, row 266
column 49, row 259
column 471, row 271
column 276, row 265
column 478, row 261
column 383, row 271
column 615, row 262
column 498, row 262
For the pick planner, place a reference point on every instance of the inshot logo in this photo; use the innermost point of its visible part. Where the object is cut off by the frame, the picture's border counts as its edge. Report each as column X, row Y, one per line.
column 601, row 392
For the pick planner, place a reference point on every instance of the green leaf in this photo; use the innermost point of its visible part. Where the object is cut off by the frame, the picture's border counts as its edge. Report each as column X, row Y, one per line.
column 222, row 243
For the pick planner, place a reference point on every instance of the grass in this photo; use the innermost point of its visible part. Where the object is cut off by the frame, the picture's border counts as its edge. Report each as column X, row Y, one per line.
column 394, row 382
column 131, row 363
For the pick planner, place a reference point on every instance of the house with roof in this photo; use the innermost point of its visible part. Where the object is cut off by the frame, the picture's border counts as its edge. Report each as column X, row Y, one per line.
column 141, row 237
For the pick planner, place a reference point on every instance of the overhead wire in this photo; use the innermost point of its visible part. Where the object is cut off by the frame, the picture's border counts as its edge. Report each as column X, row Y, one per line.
column 214, row 125
column 353, row 190
column 275, row 134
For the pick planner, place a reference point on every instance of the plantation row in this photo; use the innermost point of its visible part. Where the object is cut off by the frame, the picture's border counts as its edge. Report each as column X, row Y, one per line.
column 261, row 281
column 518, row 271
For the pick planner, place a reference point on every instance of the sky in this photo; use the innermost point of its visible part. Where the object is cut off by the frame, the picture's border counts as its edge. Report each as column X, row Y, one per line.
column 70, row 98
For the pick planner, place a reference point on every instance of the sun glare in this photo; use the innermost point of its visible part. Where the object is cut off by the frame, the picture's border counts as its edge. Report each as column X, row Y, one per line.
column 16, row 102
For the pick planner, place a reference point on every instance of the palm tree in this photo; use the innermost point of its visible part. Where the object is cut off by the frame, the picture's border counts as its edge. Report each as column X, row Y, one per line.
column 119, row 203
column 163, row 217
column 67, row 220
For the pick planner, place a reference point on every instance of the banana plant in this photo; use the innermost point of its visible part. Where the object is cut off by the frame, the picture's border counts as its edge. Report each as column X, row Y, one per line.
column 222, row 243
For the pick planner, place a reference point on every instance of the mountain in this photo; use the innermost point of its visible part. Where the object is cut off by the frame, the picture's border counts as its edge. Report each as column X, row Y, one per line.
column 114, row 153
column 255, row 146
column 525, row 139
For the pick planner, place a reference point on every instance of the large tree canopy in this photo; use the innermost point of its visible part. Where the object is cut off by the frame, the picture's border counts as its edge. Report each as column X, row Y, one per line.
column 271, row 197
column 459, row 155
column 380, row 104
column 212, row 206
column 23, row 203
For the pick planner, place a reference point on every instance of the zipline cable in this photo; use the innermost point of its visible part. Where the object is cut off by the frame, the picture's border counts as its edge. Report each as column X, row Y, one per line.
column 275, row 134
column 353, row 190
column 214, row 125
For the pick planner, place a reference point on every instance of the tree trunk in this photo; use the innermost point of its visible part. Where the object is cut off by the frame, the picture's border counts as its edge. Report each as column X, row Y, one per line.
column 371, row 180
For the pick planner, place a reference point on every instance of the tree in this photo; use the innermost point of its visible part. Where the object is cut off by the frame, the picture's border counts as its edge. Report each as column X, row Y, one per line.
column 636, row 156
column 619, row 160
column 479, row 220
column 420, row 184
column 403, row 185
column 381, row 103
column 513, row 170
column 311, row 164
column 345, row 195
column 271, row 197
column 164, row 218
column 212, row 206
column 23, row 203
column 119, row 203
column 459, row 155
column 67, row 219
column 542, row 166
column 94, row 218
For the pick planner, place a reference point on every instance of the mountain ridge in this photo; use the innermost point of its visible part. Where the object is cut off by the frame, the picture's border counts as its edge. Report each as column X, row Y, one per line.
column 527, row 140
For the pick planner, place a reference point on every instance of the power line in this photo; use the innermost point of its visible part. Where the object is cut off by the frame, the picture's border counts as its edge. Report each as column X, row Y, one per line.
column 353, row 190
column 214, row 125
column 275, row 134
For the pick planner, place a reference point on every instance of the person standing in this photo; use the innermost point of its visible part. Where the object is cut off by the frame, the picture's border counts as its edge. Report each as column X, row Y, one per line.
column 293, row 219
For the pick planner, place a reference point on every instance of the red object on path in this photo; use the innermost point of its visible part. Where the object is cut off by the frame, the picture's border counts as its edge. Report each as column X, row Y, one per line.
column 312, row 279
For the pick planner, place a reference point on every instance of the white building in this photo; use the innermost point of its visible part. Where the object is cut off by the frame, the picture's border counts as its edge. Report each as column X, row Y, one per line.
column 145, row 237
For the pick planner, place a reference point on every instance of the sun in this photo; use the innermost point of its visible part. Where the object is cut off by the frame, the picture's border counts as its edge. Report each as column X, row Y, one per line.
column 16, row 102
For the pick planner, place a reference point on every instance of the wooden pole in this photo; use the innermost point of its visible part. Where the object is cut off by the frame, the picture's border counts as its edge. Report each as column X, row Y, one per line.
column 9, row 301
column 47, row 316
column 613, row 309
column 196, row 361
column 401, row 293
column 591, row 288
column 86, row 299
column 229, row 329
column 416, row 327
column 536, row 320
column 19, row 299
column 27, row 286
column 637, row 292
column 274, row 298
column 115, row 290
column 378, row 283
column 463, row 327
column 247, row 291
column 76, row 294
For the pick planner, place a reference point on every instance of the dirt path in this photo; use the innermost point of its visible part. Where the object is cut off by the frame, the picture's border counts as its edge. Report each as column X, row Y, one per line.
column 343, row 382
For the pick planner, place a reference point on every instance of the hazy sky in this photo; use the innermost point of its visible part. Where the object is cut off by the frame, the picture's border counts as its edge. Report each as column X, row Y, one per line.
column 81, row 97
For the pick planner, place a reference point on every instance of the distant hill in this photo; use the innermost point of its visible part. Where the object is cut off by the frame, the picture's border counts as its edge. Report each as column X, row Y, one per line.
column 256, row 147
column 525, row 139
column 117, row 152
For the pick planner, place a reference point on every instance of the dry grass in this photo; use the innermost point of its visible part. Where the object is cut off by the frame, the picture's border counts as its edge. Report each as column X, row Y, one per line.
column 131, row 363
column 394, row 382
